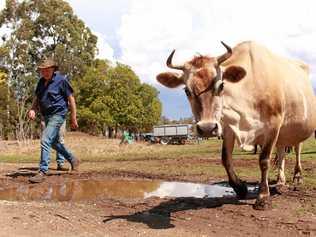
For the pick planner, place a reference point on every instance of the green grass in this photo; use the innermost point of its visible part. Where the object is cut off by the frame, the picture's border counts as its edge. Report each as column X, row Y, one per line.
column 18, row 158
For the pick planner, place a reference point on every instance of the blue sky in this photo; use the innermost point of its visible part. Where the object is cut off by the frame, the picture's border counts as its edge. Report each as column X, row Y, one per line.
column 142, row 33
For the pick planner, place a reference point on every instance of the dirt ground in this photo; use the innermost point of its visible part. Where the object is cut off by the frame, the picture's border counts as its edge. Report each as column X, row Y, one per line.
column 292, row 213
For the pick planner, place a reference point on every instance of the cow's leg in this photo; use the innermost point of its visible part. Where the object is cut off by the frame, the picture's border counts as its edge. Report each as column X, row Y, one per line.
column 227, row 150
column 263, row 199
column 280, row 162
column 255, row 149
column 298, row 178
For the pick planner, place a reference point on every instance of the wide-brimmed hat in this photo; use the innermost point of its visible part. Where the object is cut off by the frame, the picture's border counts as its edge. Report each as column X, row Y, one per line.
column 47, row 63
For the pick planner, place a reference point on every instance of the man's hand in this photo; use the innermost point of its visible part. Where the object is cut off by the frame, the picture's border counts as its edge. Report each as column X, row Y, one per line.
column 73, row 117
column 32, row 114
column 73, row 123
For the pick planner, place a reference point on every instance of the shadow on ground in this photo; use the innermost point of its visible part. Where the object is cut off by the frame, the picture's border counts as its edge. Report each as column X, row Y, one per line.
column 160, row 216
column 31, row 171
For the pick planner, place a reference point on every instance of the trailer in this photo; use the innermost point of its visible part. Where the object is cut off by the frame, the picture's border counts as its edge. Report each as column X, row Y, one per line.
column 172, row 133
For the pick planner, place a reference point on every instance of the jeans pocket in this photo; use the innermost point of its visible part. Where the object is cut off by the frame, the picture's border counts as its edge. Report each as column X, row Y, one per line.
column 55, row 120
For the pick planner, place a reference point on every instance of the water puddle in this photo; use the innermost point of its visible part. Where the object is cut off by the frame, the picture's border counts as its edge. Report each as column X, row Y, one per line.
column 84, row 190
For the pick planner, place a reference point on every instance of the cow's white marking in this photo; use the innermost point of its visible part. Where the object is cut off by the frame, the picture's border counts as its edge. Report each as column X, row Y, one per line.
column 304, row 105
column 245, row 124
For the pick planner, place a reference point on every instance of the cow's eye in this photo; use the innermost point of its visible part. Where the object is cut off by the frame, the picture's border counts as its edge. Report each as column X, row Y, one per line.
column 187, row 92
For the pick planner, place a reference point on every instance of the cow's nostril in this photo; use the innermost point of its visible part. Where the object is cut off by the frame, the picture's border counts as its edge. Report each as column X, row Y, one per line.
column 198, row 129
column 207, row 129
column 214, row 129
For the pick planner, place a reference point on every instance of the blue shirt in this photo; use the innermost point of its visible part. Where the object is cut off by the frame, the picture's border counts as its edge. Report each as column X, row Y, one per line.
column 53, row 98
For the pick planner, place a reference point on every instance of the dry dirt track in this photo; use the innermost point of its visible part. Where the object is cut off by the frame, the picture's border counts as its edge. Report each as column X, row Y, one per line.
column 290, row 215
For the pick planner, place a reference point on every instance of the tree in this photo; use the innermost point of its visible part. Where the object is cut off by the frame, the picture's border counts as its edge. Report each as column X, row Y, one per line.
column 165, row 120
column 151, row 108
column 133, row 105
column 123, row 101
column 42, row 28
column 112, row 98
column 92, row 99
column 8, row 110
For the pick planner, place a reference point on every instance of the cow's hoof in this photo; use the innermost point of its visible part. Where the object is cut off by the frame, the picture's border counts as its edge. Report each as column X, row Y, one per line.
column 297, row 180
column 281, row 188
column 263, row 204
column 297, row 183
column 241, row 190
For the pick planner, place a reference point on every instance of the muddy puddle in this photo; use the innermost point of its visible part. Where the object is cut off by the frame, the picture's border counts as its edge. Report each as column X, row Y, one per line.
column 85, row 190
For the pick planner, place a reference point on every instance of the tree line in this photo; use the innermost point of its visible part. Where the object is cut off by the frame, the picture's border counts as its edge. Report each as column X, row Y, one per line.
column 110, row 96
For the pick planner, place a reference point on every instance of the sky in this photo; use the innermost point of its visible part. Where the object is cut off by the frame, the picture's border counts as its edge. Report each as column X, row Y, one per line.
column 142, row 33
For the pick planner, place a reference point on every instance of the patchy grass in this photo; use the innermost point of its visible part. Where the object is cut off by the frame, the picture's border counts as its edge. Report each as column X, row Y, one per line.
column 308, row 206
column 192, row 159
column 89, row 148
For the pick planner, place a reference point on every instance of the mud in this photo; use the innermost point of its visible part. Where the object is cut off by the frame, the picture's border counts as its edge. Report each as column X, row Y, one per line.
column 94, row 189
column 115, row 204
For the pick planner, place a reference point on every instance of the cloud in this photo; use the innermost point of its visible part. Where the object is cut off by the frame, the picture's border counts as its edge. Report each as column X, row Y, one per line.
column 151, row 29
column 105, row 51
column 103, row 16
column 2, row 4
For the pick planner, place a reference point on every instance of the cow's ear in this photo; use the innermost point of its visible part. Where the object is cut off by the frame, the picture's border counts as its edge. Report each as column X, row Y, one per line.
column 234, row 73
column 170, row 79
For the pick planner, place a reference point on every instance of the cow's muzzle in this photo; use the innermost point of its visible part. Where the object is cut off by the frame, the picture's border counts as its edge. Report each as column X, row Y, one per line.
column 208, row 129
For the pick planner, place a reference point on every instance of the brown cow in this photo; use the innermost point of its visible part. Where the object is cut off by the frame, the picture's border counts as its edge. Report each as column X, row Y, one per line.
column 249, row 95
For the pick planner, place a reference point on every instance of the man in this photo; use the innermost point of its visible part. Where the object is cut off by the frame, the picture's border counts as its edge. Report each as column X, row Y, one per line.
column 53, row 95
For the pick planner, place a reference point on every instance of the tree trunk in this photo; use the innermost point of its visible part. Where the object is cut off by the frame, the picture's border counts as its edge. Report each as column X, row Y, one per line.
column 115, row 134
column 110, row 133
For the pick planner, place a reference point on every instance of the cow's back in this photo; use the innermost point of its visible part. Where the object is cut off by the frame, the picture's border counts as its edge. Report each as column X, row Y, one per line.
column 299, row 111
column 274, row 89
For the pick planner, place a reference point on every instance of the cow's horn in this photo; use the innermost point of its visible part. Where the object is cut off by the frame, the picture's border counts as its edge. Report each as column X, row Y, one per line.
column 169, row 62
column 226, row 55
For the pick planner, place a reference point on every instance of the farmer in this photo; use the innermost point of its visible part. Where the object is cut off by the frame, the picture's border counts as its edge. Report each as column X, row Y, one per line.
column 53, row 95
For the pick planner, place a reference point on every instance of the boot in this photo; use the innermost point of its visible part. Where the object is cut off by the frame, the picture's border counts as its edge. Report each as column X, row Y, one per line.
column 75, row 164
column 38, row 178
column 62, row 168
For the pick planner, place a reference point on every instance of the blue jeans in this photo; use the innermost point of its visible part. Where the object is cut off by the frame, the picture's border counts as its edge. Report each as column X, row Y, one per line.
column 59, row 157
column 50, row 139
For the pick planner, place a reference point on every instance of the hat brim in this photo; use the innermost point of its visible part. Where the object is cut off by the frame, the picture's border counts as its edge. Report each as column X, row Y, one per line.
column 47, row 66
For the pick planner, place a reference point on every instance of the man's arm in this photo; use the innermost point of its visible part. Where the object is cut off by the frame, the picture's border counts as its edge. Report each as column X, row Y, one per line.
column 73, row 112
column 34, row 108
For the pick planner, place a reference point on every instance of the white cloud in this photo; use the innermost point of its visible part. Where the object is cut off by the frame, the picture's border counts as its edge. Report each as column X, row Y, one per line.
column 2, row 4
column 105, row 51
column 151, row 29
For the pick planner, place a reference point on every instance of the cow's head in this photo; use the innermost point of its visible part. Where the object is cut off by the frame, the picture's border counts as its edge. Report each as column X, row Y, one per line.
column 203, row 79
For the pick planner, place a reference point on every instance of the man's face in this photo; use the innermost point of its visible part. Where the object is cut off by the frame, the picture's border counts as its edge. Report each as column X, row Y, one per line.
column 47, row 73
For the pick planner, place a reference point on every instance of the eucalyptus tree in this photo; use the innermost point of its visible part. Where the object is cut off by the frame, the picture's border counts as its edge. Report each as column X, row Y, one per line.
column 150, row 113
column 8, row 110
column 112, row 97
column 38, row 29
column 92, row 95
column 132, row 104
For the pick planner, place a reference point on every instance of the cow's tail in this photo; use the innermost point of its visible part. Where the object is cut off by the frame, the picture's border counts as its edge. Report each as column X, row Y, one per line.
column 275, row 160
